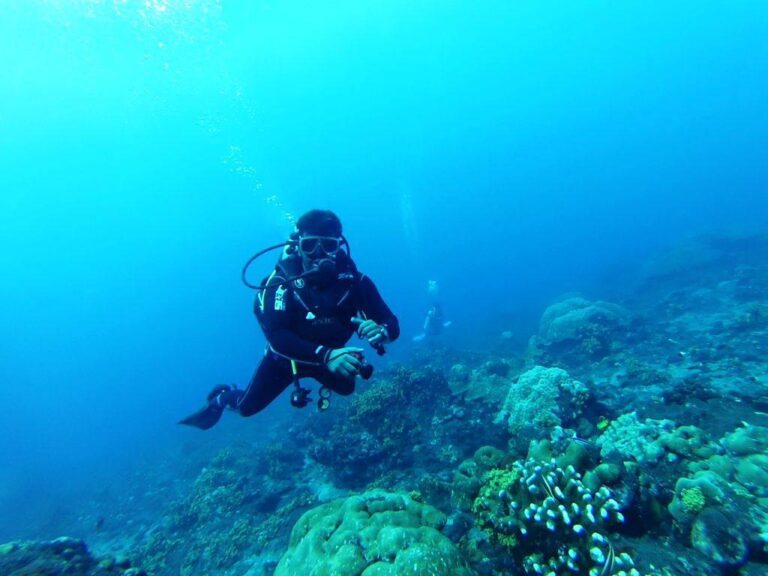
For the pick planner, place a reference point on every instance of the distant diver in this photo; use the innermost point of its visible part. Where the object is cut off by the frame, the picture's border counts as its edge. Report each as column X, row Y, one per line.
column 308, row 308
column 435, row 320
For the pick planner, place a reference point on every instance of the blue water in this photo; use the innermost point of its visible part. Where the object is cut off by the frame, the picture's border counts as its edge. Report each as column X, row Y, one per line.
column 513, row 151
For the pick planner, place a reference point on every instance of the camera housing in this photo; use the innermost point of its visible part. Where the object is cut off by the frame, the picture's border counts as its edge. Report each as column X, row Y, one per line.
column 366, row 370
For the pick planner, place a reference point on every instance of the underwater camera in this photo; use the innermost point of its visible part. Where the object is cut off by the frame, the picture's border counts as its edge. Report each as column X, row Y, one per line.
column 366, row 370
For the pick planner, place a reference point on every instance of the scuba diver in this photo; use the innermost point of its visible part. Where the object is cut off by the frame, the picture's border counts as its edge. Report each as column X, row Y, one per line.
column 308, row 308
column 435, row 320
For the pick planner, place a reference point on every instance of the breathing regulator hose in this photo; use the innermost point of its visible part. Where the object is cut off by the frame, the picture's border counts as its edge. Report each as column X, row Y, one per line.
column 244, row 274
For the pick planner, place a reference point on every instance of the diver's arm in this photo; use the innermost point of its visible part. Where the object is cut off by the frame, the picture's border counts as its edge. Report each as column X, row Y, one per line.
column 374, row 308
column 275, row 305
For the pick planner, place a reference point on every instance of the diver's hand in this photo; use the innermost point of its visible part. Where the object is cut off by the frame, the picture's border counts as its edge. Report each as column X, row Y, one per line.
column 368, row 329
column 344, row 362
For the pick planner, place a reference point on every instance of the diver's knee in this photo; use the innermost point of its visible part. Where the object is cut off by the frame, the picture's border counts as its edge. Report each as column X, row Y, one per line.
column 344, row 388
column 247, row 411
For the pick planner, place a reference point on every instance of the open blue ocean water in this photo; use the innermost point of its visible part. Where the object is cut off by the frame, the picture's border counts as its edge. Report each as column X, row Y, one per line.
column 517, row 153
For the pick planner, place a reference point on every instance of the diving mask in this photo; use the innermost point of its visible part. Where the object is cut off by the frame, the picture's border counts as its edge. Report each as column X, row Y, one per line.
column 314, row 246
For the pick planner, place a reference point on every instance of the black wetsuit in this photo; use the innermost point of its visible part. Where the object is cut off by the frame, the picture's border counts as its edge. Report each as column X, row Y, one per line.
column 303, row 322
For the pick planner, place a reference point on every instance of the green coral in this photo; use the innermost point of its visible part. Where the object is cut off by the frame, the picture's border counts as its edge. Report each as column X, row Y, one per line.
column 487, row 507
column 489, row 457
column 693, row 500
column 688, row 442
column 745, row 463
column 752, row 473
column 747, row 440
column 692, row 495
column 375, row 402
column 376, row 533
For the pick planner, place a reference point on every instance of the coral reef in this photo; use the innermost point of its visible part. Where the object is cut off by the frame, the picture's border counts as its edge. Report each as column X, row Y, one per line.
column 541, row 399
column 376, row 533
column 628, row 439
column 408, row 417
column 580, row 329
column 487, row 383
column 60, row 557
column 550, row 521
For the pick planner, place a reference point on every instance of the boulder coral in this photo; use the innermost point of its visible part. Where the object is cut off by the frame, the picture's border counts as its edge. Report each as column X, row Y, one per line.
column 376, row 533
column 577, row 325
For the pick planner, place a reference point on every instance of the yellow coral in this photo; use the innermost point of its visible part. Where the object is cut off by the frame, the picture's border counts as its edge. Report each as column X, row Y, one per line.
column 693, row 500
column 500, row 479
column 507, row 540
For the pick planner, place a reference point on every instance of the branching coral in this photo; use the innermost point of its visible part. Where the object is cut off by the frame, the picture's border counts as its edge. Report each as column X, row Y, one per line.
column 550, row 521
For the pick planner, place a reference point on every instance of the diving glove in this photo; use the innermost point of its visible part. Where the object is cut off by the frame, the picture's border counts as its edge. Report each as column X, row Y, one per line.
column 344, row 361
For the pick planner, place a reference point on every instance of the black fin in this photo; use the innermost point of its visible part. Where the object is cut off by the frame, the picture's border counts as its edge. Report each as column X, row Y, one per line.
column 204, row 418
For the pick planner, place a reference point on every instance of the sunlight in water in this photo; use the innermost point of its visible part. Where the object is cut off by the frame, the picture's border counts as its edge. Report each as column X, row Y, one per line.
column 189, row 19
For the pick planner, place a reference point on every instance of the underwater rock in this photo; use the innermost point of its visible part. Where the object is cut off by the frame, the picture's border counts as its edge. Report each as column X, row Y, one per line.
column 376, row 533
column 486, row 383
column 59, row 557
column 703, row 258
column 715, row 535
column 541, row 399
